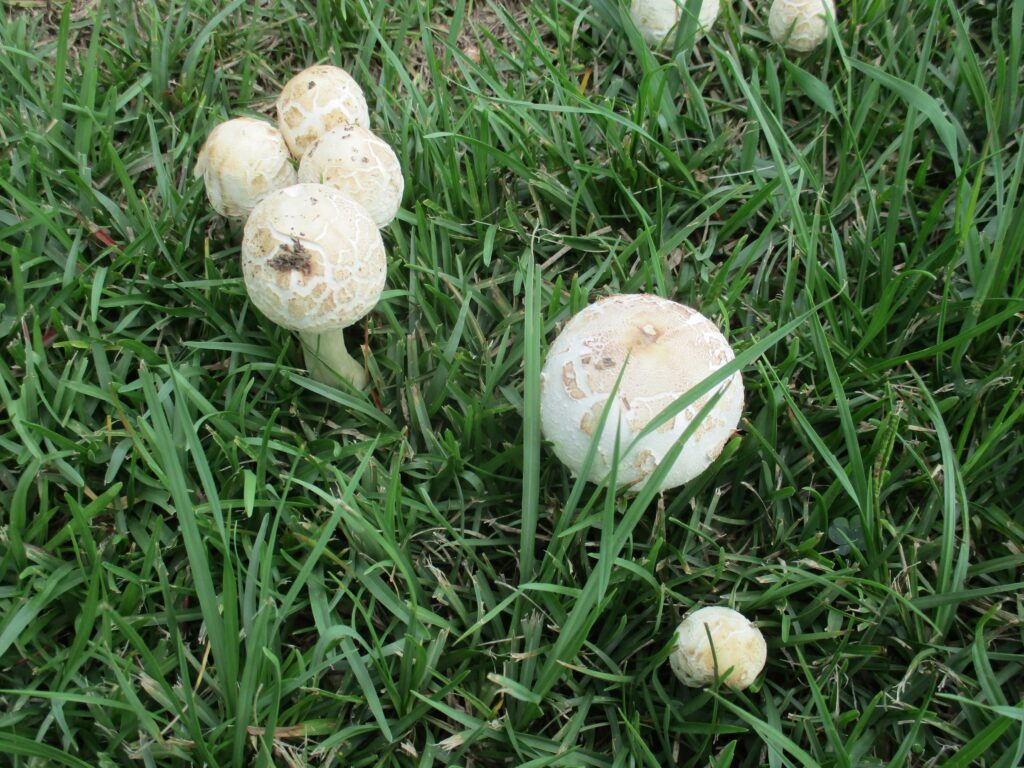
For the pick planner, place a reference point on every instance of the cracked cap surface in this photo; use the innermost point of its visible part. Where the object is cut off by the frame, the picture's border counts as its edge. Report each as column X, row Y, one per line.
column 316, row 100
column 671, row 348
column 312, row 258
column 355, row 161
column 241, row 162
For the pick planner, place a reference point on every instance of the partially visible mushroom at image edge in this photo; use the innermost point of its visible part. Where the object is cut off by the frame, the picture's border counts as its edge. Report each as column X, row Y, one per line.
column 655, row 19
column 670, row 349
column 800, row 25
column 314, row 262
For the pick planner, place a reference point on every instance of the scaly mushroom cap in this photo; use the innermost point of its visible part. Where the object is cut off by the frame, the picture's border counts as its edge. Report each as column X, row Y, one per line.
column 738, row 645
column 355, row 161
column 241, row 162
column 316, row 100
column 312, row 258
column 671, row 348
column 656, row 18
column 800, row 24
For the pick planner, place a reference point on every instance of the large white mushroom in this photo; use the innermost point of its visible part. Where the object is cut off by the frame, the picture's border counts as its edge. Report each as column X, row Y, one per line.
column 735, row 644
column 800, row 25
column 314, row 262
column 316, row 100
column 242, row 161
column 657, row 18
column 670, row 349
column 355, row 161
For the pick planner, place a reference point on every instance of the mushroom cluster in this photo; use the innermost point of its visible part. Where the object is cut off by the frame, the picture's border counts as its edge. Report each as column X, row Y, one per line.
column 313, row 258
column 799, row 25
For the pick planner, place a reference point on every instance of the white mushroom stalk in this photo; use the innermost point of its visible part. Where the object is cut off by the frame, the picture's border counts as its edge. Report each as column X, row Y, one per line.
column 667, row 349
column 314, row 101
column 735, row 645
column 800, row 25
column 355, row 161
column 314, row 262
column 657, row 18
column 242, row 161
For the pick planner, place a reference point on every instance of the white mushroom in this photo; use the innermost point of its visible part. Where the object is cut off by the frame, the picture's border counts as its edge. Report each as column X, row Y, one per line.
column 800, row 25
column 735, row 644
column 313, row 262
column 241, row 162
column 656, row 18
column 316, row 100
column 355, row 161
column 671, row 348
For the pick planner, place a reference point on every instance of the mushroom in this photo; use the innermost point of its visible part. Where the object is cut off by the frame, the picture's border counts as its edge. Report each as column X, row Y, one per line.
column 670, row 349
column 353, row 160
column 715, row 640
column 313, row 262
column 800, row 25
column 656, row 18
column 316, row 100
column 242, row 161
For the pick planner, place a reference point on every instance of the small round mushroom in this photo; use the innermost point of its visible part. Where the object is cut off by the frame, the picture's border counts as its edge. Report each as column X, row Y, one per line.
column 314, row 262
column 657, row 18
column 241, row 162
column 670, row 349
column 316, row 100
column 355, row 161
column 738, row 646
column 800, row 25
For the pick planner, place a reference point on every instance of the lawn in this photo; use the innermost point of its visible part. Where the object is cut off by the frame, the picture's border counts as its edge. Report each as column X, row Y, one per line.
column 209, row 558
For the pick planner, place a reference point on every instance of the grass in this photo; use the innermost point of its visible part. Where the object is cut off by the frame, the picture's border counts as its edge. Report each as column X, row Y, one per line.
column 208, row 558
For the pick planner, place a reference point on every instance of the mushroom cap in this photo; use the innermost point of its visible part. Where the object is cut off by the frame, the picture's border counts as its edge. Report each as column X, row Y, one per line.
column 242, row 161
column 800, row 25
column 355, row 161
column 312, row 258
column 656, row 18
column 671, row 348
column 316, row 100
column 738, row 645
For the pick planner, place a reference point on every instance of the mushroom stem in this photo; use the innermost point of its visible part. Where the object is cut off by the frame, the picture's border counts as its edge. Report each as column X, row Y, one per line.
column 328, row 360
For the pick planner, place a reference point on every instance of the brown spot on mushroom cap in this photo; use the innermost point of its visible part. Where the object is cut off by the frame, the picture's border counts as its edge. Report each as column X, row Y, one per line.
column 293, row 257
column 569, row 381
column 655, row 339
column 325, row 280
column 591, row 418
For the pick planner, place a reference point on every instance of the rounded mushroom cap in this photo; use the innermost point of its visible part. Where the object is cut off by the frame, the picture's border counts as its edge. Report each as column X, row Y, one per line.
column 241, row 162
column 656, row 18
column 738, row 645
column 312, row 258
column 316, row 100
column 800, row 24
column 355, row 161
column 671, row 348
